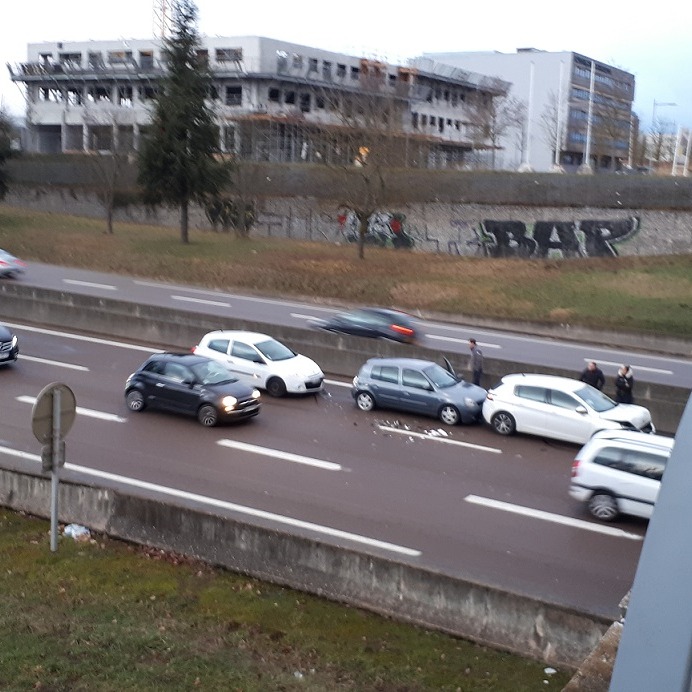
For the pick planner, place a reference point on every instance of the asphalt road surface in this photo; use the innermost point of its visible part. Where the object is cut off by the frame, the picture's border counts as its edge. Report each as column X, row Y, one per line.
column 463, row 501
column 446, row 337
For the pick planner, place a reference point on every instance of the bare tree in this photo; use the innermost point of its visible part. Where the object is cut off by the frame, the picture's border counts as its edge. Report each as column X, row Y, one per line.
column 552, row 123
column 611, row 131
column 493, row 118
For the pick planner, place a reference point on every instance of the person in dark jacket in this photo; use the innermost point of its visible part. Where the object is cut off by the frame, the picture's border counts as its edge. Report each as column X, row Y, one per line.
column 593, row 375
column 475, row 362
column 624, row 385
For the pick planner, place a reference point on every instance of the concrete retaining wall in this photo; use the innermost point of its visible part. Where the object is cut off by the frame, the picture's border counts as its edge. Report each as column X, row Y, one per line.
column 501, row 619
column 337, row 354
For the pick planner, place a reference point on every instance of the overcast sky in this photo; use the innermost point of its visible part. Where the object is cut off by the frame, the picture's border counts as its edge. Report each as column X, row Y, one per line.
column 650, row 41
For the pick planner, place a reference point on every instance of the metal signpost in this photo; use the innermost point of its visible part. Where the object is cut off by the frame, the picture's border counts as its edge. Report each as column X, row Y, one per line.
column 52, row 417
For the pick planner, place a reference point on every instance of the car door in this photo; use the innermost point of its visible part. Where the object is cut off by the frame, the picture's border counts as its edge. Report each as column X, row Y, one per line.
column 385, row 386
column 531, row 409
column 564, row 421
column 176, row 390
column 418, row 393
column 247, row 364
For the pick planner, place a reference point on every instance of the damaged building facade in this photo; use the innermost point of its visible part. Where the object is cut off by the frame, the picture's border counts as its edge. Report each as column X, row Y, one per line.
column 273, row 101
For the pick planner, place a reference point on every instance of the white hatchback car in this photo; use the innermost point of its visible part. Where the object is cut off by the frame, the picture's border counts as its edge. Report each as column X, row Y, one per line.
column 558, row 407
column 620, row 472
column 262, row 361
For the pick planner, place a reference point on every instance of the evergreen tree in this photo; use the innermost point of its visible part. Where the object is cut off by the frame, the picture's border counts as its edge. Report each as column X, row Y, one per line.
column 177, row 162
column 6, row 151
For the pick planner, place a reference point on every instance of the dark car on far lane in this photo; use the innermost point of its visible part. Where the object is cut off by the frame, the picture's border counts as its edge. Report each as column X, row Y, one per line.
column 9, row 346
column 376, row 323
column 190, row 384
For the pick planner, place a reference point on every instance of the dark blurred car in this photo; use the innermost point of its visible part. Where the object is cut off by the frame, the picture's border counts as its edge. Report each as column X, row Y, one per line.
column 10, row 266
column 417, row 386
column 9, row 346
column 197, row 386
column 377, row 323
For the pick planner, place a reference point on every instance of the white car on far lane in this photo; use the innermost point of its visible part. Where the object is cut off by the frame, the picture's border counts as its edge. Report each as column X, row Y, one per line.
column 261, row 361
column 558, row 407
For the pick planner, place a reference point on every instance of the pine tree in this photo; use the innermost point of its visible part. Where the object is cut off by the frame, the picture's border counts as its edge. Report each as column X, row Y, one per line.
column 178, row 162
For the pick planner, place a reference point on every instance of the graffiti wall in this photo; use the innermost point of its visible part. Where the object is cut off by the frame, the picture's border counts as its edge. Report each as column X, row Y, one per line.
column 385, row 229
column 566, row 239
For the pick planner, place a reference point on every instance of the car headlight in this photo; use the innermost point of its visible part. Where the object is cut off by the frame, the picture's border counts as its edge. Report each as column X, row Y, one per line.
column 229, row 402
column 255, row 394
column 14, row 341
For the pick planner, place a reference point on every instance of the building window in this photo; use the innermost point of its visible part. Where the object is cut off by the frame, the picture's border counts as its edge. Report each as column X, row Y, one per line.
column 281, row 60
column 275, row 95
column 340, row 70
column 74, row 97
column 146, row 59
column 326, row 70
column 70, row 60
column 234, row 95
column 414, row 120
column 229, row 54
column 355, row 72
column 96, row 61
column 119, row 57
column 319, row 102
column 424, row 120
column 297, row 61
column 290, row 97
column 305, row 103
column 312, row 65
column 125, row 96
column 392, row 80
column 147, row 93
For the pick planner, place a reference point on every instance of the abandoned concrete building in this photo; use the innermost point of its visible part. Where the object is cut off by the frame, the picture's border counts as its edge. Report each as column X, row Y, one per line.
column 273, row 101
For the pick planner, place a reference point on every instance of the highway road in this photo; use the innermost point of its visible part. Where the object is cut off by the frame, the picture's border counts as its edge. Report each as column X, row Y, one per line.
column 445, row 337
column 463, row 501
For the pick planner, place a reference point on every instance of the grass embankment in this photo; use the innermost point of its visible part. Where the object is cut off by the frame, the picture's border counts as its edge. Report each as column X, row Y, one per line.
column 104, row 615
column 639, row 294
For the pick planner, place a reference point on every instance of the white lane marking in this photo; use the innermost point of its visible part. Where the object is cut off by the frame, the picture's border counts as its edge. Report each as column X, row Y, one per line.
column 80, row 337
column 435, row 438
column 69, row 366
column 222, row 504
column 90, row 284
column 337, row 383
column 460, row 340
column 634, row 366
column 299, row 316
column 90, row 413
column 232, row 296
column 278, row 454
column 549, row 516
column 204, row 301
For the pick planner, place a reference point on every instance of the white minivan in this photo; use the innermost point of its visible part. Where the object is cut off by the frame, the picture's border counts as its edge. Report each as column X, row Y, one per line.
column 619, row 472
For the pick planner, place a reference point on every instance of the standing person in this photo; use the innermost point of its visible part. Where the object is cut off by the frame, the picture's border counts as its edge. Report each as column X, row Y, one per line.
column 475, row 362
column 593, row 375
column 624, row 385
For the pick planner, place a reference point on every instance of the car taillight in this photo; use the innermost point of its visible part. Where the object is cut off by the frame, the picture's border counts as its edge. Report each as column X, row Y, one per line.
column 490, row 396
column 575, row 468
column 406, row 331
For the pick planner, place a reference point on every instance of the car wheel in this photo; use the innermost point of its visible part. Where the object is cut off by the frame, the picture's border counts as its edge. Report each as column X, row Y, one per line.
column 135, row 400
column 365, row 401
column 276, row 386
column 449, row 415
column 504, row 423
column 604, row 507
column 208, row 416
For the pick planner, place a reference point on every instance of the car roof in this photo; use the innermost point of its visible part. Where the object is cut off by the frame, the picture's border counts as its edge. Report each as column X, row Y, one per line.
column 233, row 334
column 635, row 437
column 184, row 358
column 540, row 380
column 402, row 362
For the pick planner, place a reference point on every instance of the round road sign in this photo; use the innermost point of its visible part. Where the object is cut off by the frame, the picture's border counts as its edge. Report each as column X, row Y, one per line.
column 43, row 410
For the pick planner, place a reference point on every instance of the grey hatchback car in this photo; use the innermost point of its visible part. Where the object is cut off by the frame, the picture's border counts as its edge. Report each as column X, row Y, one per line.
column 417, row 386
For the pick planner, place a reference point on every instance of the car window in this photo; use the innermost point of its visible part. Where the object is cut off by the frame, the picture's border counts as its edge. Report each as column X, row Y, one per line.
column 533, row 393
column 563, row 400
column 275, row 350
column 414, row 378
column 177, row 372
column 220, row 345
column 154, row 366
column 595, row 398
column 646, row 464
column 212, row 373
column 245, row 351
column 439, row 376
column 385, row 373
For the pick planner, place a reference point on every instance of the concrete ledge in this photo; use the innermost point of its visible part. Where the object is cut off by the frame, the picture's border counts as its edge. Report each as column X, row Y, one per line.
column 337, row 354
column 501, row 619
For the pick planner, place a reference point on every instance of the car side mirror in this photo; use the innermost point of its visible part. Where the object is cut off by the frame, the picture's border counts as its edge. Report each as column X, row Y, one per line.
column 581, row 409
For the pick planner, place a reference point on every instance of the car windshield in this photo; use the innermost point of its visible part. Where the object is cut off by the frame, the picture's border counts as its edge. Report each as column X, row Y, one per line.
column 440, row 377
column 596, row 399
column 212, row 373
column 274, row 350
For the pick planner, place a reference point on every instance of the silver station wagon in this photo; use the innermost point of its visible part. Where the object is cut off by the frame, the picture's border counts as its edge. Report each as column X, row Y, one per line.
column 417, row 386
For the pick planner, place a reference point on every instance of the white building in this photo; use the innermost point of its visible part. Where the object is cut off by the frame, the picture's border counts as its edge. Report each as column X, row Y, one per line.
column 556, row 88
column 273, row 100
